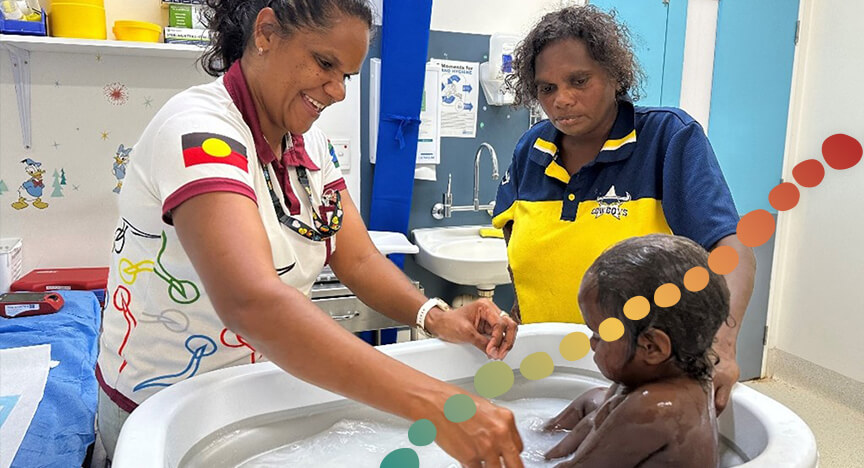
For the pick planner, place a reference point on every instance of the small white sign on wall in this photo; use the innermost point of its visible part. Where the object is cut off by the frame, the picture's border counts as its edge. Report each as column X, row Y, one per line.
column 429, row 137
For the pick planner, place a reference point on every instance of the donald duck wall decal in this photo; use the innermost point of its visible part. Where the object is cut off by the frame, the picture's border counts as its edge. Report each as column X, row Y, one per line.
column 31, row 189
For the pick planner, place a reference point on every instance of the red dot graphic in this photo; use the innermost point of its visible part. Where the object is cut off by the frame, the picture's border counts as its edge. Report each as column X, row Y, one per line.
column 841, row 151
column 809, row 173
column 784, row 196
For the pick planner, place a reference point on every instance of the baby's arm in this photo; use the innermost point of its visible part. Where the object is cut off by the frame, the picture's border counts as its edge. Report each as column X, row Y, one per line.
column 578, row 417
column 579, row 408
column 639, row 427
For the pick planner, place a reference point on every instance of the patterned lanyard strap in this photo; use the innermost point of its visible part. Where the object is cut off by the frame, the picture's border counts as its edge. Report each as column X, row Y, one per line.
column 321, row 231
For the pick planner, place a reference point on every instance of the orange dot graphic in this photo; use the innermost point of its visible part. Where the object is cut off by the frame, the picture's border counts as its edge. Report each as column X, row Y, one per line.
column 611, row 329
column 636, row 308
column 755, row 228
column 809, row 173
column 696, row 279
column 723, row 260
column 667, row 295
column 841, row 151
column 784, row 196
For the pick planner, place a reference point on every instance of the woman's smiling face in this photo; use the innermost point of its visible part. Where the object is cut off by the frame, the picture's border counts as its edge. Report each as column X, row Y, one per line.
column 305, row 72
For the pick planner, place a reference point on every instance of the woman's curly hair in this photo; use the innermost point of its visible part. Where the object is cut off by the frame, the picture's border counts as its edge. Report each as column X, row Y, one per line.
column 608, row 42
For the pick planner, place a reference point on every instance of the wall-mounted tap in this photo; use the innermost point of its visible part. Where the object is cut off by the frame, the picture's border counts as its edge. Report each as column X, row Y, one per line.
column 446, row 209
column 477, row 171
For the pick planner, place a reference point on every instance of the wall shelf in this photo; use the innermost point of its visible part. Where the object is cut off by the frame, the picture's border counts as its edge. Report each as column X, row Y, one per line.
column 103, row 47
column 19, row 48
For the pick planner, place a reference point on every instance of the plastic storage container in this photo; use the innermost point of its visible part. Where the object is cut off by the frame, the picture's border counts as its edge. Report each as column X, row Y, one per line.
column 83, row 19
column 140, row 31
column 94, row 280
column 26, row 28
column 10, row 262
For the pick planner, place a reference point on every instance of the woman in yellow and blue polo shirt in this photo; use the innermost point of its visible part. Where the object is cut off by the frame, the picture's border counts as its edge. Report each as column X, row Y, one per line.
column 601, row 170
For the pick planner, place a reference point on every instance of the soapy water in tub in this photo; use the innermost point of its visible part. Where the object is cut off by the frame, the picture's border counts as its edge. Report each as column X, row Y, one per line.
column 364, row 443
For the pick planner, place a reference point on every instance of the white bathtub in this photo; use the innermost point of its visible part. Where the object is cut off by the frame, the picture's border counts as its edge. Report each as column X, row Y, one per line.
column 224, row 417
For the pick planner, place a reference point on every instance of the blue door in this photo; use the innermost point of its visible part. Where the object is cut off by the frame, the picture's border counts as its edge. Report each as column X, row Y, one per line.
column 750, row 95
column 747, row 127
column 657, row 29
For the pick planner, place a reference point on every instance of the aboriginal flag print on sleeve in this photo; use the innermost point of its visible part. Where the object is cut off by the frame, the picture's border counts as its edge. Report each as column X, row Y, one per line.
column 210, row 148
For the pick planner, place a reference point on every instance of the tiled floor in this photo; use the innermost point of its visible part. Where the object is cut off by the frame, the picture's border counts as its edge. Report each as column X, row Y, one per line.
column 839, row 429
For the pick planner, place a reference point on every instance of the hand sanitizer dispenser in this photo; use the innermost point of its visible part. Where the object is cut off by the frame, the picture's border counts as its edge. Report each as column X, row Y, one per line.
column 500, row 64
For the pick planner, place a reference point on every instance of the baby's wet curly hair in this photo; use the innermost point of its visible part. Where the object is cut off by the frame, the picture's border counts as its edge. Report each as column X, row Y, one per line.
column 608, row 42
column 637, row 267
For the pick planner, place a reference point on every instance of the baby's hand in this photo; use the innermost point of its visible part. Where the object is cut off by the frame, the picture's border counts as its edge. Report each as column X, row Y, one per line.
column 578, row 409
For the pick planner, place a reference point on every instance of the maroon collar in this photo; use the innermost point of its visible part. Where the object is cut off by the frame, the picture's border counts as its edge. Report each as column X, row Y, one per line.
column 296, row 155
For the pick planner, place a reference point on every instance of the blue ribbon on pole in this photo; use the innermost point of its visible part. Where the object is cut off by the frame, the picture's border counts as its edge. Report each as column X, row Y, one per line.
column 402, row 121
column 404, row 50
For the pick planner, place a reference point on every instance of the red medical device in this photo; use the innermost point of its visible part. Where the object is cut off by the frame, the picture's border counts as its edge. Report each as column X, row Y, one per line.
column 23, row 304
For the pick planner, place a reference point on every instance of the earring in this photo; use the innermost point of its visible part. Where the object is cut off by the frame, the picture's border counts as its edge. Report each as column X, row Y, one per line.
column 260, row 51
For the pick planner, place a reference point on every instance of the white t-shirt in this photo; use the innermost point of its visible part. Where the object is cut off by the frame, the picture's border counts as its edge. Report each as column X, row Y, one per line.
column 159, row 326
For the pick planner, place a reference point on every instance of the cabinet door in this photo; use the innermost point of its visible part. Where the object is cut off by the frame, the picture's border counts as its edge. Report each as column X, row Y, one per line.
column 657, row 29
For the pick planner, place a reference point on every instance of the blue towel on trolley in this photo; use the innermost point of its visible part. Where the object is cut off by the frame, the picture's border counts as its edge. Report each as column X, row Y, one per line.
column 63, row 426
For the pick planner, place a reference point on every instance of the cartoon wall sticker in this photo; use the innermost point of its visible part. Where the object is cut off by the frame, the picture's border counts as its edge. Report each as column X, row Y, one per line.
column 116, row 93
column 3, row 187
column 121, row 159
column 31, row 189
column 58, row 185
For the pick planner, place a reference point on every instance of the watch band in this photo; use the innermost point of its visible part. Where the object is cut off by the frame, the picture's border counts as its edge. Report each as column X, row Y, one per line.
column 424, row 310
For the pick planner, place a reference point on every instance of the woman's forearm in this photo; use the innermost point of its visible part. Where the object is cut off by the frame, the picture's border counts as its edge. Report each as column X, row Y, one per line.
column 382, row 286
column 740, row 283
column 301, row 339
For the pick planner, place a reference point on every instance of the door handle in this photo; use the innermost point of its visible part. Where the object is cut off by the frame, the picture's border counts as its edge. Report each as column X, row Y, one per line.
column 348, row 316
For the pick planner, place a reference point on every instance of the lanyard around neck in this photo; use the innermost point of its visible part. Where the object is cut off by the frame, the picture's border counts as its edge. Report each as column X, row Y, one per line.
column 322, row 230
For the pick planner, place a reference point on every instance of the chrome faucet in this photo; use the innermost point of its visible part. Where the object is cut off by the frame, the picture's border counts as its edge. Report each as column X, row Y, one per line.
column 477, row 171
column 446, row 209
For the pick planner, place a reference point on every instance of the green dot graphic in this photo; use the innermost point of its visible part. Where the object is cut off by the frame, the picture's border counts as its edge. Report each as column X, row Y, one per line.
column 422, row 432
column 401, row 458
column 459, row 408
column 537, row 366
column 493, row 379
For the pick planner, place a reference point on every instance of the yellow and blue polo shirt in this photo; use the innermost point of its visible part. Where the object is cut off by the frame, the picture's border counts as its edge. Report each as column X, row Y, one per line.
column 656, row 173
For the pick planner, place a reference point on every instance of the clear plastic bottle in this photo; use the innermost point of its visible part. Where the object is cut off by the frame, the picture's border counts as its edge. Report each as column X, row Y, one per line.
column 501, row 47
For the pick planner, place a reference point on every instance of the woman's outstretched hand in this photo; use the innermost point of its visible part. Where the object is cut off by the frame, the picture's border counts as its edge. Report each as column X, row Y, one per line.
column 488, row 439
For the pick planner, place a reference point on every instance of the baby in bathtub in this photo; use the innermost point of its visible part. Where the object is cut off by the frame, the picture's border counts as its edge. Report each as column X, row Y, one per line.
column 659, row 412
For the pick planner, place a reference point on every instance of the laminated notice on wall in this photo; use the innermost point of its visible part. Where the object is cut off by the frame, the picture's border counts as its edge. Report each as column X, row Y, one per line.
column 459, row 98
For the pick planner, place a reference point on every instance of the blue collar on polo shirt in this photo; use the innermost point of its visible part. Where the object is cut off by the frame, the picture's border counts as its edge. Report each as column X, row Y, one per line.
column 295, row 155
column 617, row 146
